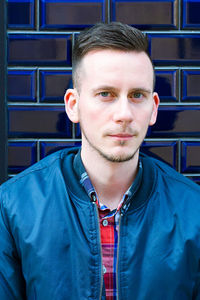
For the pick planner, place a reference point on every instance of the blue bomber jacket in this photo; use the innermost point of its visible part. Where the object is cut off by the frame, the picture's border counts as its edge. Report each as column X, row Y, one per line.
column 50, row 243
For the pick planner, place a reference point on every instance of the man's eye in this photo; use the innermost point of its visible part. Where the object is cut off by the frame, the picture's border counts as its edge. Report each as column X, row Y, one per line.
column 104, row 94
column 137, row 95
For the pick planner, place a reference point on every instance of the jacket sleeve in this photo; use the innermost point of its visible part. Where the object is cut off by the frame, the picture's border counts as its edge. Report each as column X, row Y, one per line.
column 12, row 285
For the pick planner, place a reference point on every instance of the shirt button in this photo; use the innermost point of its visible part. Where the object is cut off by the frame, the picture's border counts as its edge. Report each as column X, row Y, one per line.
column 105, row 222
column 104, row 269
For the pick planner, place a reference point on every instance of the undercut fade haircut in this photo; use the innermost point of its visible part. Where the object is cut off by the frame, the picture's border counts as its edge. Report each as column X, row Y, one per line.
column 114, row 36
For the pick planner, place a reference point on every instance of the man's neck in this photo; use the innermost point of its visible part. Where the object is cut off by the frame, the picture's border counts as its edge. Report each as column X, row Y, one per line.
column 110, row 179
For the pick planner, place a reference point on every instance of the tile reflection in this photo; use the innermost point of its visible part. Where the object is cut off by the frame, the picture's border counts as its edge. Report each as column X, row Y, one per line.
column 71, row 14
column 47, row 148
column 190, row 158
column 145, row 14
column 39, row 49
column 38, row 122
column 21, row 155
column 21, row 85
column 174, row 121
column 162, row 150
column 54, row 84
column 178, row 49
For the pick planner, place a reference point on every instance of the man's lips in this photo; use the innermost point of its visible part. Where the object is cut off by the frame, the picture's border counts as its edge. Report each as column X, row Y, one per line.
column 121, row 136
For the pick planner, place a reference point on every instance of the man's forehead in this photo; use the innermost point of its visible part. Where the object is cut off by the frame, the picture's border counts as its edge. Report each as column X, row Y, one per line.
column 97, row 55
column 102, row 59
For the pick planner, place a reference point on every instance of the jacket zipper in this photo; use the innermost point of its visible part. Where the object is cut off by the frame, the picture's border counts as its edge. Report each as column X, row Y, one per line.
column 97, row 218
column 117, row 281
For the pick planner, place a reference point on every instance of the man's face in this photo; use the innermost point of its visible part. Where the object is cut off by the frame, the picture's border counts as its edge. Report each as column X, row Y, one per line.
column 115, row 103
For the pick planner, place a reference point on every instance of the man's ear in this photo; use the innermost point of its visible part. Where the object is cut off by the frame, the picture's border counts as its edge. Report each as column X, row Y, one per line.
column 71, row 105
column 156, row 102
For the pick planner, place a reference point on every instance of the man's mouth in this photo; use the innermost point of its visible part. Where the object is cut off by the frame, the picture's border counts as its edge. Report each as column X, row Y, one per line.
column 121, row 136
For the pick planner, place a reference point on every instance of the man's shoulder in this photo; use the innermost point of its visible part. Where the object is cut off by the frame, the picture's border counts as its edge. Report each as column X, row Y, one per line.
column 40, row 169
column 169, row 175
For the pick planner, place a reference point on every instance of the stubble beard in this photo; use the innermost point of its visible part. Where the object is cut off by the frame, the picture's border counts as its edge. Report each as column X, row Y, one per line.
column 111, row 157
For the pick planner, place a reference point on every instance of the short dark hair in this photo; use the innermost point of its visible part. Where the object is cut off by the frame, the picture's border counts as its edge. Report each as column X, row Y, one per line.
column 115, row 35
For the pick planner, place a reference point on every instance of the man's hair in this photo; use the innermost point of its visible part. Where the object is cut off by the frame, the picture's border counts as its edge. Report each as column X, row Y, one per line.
column 115, row 36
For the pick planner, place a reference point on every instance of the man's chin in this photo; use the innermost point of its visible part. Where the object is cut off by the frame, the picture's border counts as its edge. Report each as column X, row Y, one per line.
column 118, row 158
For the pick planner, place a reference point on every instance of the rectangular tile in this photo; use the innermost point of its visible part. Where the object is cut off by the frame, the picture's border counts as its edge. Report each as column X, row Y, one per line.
column 21, row 85
column 190, row 158
column 162, row 150
column 191, row 85
column 21, row 155
column 67, row 14
column 191, row 15
column 175, row 49
column 167, row 85
column 53, row 85
column 21, row 14
column 39, row 49
column 38, row 122
column 176, row 121
column 145, row 14
column 47, row 148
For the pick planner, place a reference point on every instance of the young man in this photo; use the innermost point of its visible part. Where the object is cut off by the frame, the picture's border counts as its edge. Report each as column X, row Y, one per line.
column 103, row 221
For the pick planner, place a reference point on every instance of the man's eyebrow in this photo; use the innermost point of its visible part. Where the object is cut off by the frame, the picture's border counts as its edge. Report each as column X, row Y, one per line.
column 111, row 88
column 104, row 87
column 141, row 89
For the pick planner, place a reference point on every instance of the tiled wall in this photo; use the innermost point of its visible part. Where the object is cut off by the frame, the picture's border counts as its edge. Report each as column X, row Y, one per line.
column 40, row 39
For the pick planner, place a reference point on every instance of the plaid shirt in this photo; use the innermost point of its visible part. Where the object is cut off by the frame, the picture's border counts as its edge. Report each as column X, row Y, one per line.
column 109, row 226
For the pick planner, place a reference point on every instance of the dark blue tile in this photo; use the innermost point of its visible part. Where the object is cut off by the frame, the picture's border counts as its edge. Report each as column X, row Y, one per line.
column 162, row 150
column 54, row 84
column 176, row 121
column 20, row 14
column 190, row 159
column 191, row 15
column 191, row 85
column 67, row 14
column 21, row 155
column 175, row 49
column 38, row 49
column 38, row 122
column 145, row 14
column 21, row 85
column 47, row 148
column 166, row 85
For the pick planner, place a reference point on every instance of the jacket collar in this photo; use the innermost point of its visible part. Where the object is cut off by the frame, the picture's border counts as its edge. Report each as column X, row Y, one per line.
column 142, row 189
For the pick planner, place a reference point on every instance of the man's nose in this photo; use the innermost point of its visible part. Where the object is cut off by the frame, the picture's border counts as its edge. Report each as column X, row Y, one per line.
column 123, row 111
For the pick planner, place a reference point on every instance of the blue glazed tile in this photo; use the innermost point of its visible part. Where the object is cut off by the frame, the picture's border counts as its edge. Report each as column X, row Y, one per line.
column 190, row 159
column 176, row 121
column 166, row 85
column 47, row 148
column 21, row 155
column 21, row 85
column 191, row 16
column 145, row 14
column 54, row 84
column 71, row 14
column 39, row 49
column 175, row 48
column 38, row 122
column 162, row 150
column 191, row 85
column 20, row 14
